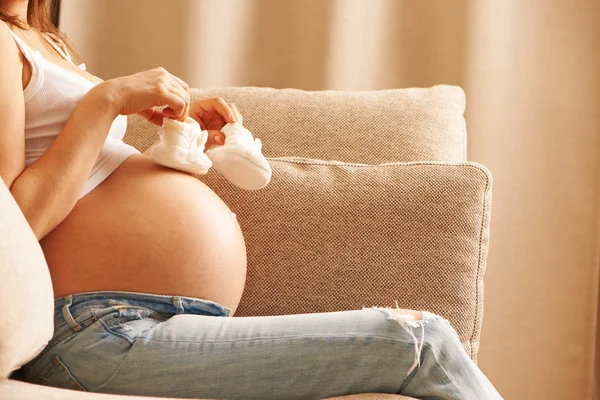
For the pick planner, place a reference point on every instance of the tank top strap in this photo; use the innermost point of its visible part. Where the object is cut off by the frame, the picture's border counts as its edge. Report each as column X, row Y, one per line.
column 59, row 46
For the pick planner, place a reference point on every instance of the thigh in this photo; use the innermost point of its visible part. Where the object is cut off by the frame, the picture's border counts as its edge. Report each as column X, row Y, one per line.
column 293, row 356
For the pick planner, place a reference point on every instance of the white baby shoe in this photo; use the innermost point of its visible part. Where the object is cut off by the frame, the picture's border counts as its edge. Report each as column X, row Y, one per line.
column 181, row 146
column 240, row 159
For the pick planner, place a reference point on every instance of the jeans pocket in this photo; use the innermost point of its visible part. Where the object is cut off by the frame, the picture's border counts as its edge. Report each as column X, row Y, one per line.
column 131, row 322
column 58, row 375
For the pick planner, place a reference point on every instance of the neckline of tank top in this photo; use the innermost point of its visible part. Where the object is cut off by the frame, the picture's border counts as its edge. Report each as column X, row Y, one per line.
column 55, row 65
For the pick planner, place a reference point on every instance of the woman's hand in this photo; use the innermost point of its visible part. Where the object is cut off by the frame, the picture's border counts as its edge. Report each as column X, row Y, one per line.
column 213, row 114
column 140, row 92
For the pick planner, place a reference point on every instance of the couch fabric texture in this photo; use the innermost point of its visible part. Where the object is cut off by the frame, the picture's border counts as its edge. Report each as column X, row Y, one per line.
column 365, row 127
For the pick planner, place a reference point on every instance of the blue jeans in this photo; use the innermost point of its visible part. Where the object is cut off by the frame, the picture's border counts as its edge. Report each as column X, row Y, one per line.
column 143, row 344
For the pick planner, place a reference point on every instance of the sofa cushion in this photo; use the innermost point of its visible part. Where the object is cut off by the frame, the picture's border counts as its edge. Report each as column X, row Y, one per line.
column 368, row 127
column 26, row 297
column 328, row 236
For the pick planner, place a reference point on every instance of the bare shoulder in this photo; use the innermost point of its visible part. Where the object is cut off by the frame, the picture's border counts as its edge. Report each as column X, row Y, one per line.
column 11, row 67
column 9, row 51
column 5, row 34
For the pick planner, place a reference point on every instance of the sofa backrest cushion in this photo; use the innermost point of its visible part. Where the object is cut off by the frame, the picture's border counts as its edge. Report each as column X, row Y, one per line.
column 367, row 127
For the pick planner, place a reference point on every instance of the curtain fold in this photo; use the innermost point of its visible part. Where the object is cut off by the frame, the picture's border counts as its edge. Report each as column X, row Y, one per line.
column 531, row 72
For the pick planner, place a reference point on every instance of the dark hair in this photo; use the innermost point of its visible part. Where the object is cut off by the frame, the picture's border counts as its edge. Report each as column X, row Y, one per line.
column 42, row 17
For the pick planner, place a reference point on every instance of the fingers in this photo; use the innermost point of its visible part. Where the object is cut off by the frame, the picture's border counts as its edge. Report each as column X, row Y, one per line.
column 172, row 91
column 236, row 113
column 214, row 113
column 178, row 108
column 153, row 116
column 175, row 105
column 181, row 82
column 215, row 137
column 185, row 113
column 205, row 112
column 224, row 110
column 219, row 138
column 167, row 76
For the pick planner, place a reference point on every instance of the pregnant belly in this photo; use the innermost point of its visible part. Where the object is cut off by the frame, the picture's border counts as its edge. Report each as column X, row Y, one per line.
column 153, row 230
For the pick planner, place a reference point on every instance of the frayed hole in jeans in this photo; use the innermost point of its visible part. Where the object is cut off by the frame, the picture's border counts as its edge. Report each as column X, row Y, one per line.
column 408, row 322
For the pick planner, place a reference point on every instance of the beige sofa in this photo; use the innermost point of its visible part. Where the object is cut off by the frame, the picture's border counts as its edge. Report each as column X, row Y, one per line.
column 371, row 202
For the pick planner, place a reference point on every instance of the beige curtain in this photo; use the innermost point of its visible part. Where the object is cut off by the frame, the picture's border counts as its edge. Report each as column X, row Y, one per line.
column 531, row 71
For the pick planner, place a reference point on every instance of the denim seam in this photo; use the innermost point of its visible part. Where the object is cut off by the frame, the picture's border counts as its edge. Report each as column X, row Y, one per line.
column 70, row 374
column 440, row 366
column 449, row 379
column 102, row 385
column 44, row 371
column 275, row 338
column 409, row 378
column 57, row 362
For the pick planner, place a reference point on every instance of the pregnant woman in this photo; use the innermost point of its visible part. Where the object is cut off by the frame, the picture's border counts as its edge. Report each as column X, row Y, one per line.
column 148, row 264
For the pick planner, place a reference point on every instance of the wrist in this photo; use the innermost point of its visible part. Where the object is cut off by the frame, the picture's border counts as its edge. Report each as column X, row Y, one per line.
column 104, row 97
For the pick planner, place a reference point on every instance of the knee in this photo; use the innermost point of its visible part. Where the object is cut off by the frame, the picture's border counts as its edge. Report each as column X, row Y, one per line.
column 398, row 313
column 417, row 314
column 437, row 329
column 440, row 331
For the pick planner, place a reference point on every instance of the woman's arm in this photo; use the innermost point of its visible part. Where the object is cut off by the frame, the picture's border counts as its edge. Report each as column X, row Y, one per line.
column 48, row 190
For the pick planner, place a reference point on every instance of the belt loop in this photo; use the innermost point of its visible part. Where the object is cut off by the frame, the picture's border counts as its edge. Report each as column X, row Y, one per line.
column 177, row 302
column 67, row 314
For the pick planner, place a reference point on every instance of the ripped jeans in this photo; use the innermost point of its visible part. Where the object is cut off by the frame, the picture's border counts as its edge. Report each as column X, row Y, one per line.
column 173, row 346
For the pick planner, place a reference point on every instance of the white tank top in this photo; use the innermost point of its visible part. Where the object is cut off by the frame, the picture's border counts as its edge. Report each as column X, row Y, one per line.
column 50, row 98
